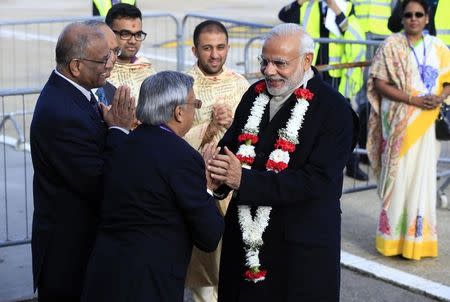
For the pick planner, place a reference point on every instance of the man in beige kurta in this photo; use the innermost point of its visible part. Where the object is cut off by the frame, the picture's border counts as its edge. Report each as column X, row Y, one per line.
column 125, row 20
column 220, row 89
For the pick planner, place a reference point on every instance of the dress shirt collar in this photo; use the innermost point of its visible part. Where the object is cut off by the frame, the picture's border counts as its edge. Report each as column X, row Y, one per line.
column 83, row 90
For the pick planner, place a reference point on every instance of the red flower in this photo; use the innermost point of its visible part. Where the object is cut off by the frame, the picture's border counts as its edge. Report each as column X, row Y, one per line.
column 301, row 93
column 285, row 145
column 244, row 137
column 276, row 166
column 245, row 159
column 260, row 87
column 251, row 275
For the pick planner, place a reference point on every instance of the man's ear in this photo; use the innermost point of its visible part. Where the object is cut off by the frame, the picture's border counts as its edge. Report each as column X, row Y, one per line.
column 308, row 61
column 178, row 114
column 194, row 51
column 74, row 68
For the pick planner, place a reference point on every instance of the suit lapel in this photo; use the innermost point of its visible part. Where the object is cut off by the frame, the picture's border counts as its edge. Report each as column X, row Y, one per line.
column 75, row 95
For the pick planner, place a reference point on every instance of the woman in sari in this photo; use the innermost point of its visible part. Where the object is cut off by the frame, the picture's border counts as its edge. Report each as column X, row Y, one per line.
column 409, row 79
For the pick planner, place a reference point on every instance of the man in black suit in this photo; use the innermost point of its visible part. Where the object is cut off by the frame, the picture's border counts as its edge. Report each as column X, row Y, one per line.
column 294, row 146
column 156, row 205
column 70, row 136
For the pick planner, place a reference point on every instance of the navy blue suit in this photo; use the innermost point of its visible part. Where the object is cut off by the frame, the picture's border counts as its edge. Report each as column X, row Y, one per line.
column 69, row 142
column 155, row 208
column 301, row 249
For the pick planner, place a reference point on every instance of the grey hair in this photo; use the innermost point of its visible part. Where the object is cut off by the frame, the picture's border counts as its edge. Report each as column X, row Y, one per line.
column 306, row 43
column 68, row 47
column 160, row 94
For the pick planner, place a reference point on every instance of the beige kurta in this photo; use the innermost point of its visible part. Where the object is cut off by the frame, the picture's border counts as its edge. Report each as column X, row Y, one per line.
column 131, row 74
column 226, row 88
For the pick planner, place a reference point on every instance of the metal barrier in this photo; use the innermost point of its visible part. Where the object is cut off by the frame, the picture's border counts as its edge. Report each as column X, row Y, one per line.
column 28, row 47
column 16, row 168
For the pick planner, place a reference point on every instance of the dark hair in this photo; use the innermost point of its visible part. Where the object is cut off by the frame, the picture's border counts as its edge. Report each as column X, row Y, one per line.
column 423, row 3
column 122, row 10
column 208, row 26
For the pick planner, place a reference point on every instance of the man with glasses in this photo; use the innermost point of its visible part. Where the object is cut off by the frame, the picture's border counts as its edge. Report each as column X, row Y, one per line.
column 283, row 156
column 220, row 89
column 125, row 20
column 70, row 136
column 105, row 93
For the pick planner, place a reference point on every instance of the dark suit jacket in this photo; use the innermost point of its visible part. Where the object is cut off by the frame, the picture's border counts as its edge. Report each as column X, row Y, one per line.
column 302, row 241
column 68, row 145
column 155, row 208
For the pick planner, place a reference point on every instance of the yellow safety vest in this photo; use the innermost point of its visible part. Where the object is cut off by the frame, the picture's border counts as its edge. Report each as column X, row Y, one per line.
column 103, row 6
column 373, row 15
column 310, row 22
column 442, row 21
column 352, row 78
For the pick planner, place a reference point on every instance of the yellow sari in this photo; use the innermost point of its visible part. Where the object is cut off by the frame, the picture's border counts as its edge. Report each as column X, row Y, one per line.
column 402, row 146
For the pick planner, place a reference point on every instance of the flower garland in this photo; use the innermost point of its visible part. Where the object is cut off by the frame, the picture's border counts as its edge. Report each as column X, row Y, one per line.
column 253, row 228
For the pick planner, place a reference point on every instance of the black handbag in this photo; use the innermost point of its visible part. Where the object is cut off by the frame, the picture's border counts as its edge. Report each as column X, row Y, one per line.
column 443, row 123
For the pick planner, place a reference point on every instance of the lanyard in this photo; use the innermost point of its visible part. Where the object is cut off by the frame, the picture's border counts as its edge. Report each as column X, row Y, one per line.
column 164, row 127
column 420, row 67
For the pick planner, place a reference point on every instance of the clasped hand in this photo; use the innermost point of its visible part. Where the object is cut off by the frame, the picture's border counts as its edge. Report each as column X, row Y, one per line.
column 222, row 115
column 221, row 168
column 427, row 102
column 121, row 113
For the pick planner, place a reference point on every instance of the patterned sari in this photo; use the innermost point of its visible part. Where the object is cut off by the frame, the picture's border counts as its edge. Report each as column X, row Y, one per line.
column 402, row 146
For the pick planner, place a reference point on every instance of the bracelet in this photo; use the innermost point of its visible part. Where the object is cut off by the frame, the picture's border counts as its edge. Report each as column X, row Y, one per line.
column 409, row 99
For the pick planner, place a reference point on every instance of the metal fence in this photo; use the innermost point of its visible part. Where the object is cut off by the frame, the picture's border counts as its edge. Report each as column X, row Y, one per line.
column 16, row 171
column 27, row 51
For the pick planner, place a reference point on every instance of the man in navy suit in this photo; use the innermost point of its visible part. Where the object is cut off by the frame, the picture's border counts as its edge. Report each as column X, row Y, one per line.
column 156, row 205
column 296, row 143
column 70, row 137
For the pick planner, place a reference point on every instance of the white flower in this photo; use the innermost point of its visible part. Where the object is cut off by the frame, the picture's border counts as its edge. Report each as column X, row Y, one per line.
column 279, row 155
column 246, row 150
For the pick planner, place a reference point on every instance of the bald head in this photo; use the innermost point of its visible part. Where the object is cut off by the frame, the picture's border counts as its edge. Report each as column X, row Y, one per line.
column 73, row 43
column 106, row 31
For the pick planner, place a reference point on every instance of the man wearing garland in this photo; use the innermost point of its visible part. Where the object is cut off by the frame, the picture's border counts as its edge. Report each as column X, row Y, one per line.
column 283, row 156
column 220, row 90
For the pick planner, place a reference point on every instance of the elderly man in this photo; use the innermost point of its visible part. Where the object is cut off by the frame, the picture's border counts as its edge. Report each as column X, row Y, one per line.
column 220, row 90
column 292, row 134
column 125, row 20
column 105, row 94
column 69, row 140
column 156, row 205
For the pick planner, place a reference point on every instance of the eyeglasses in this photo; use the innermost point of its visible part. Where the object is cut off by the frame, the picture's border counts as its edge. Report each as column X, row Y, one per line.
column 104, row 62
column 278, row 63
column 197, row 104
column 409, row 15
column 126, row 34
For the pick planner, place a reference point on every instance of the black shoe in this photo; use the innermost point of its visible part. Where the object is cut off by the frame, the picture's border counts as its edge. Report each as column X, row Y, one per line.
column 357, row 174
column 364, row 159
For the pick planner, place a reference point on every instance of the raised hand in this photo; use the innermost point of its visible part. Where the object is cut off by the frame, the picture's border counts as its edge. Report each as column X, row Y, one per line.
column 122, row 110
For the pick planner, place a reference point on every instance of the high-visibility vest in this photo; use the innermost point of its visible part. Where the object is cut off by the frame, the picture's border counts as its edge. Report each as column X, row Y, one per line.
column 373, row 15
column 310, row 22
column 442, row 21
column 352, row 78
column 103, row 6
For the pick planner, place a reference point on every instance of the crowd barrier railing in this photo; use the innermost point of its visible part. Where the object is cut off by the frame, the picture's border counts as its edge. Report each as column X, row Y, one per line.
column 16, row 170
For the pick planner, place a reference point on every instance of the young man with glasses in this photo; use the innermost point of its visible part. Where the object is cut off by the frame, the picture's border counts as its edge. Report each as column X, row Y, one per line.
column 125, row 20
column 220, row 89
